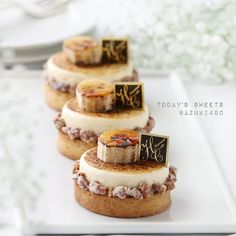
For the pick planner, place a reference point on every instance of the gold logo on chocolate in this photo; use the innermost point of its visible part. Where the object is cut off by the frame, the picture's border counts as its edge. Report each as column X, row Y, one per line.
column 115, row 51
column 129, row 95
column 154, row 148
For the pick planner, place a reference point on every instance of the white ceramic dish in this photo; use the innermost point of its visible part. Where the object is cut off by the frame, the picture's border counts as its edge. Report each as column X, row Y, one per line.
column 25, row 39
column 201, row 202
column 20, row 31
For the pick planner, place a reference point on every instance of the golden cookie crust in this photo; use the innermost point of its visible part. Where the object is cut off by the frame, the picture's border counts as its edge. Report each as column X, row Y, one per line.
column 55, row 99
column 123, row 208
column 72, row 149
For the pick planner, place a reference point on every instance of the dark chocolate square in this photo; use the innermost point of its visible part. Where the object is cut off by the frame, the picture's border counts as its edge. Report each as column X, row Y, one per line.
column 115, row 51
column 129, row 95
column 154, row 148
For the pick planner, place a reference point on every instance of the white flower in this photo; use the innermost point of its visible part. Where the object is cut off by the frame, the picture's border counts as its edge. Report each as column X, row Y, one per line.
column 218, row 61
column 175, row 49
column 216, row 40
column 168, row 60
column 160, row 30
column 205, row 40
column 201, row 27
column 226, row 74
column 182, row 37
column 177, row 35
column 17, row 183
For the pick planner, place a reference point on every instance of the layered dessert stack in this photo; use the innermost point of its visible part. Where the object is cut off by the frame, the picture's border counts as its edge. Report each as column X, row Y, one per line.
column 91, row 113
column 80, row 60
column 121, row 169
column 111, row 179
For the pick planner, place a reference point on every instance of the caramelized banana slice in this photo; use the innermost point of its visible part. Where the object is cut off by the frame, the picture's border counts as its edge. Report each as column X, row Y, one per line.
column 95, row 95
column 82, row 50
column 118, row 146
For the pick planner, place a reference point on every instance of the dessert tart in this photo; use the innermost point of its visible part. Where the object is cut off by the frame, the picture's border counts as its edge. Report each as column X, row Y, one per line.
column 92, row 112
column 125, row 189
column 64, row 70
column 79, row 130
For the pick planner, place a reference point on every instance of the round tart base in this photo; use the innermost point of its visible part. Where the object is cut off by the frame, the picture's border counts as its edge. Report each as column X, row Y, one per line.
column 123, row 208
column 72, row 149
column 56, row 99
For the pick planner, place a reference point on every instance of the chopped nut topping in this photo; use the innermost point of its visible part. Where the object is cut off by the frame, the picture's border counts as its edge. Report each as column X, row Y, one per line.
column 119, row 192
column 76, row 167
column 149, row 126
column 83, row 182
column 142, row 191
column 159, row 188
column 97, row 188
column 146, row 189
column 133, row 192
column 87, row 136
column 67, row 88
column 59, row 122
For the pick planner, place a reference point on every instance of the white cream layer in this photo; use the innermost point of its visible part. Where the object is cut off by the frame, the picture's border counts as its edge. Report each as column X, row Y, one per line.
column 99, row 123
column 115, row 178
column 71, row 78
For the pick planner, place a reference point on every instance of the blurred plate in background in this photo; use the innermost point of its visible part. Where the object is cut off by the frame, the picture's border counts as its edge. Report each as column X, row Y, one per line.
column 24, row 38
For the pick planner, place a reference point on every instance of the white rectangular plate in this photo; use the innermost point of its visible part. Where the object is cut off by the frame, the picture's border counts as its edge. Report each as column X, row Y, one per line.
column 200, row 202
